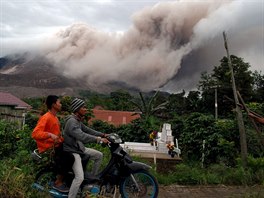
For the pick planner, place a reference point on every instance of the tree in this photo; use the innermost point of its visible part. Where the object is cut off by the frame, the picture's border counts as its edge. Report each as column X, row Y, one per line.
column 66, row 104
column 242, row 74
column 149, row 106
column 220, row 139
column 35, row 103
column 121, row 100
column 177, row 104
column 221, row 77
column 137, row 131
column 193, row 101
column 258, row 87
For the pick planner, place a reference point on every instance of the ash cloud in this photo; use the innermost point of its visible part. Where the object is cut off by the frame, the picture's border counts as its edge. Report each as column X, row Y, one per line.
column 163, row 40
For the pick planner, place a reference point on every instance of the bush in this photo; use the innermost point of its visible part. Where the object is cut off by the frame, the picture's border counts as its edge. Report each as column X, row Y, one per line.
column 183, row 174
column 16, row 165
column 192, row 174
column 256, row 169
column 31, row 120
column 103, row 127
column 237, row 176
column 221, row 139
column 8, row 138
column 16, row 178
column 188, row 175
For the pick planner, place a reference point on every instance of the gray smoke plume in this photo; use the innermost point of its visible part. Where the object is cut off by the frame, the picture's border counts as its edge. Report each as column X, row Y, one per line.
column 152, row 51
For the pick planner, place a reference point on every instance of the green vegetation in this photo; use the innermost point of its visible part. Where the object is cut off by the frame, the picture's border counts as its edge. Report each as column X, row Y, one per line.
column 193, row 122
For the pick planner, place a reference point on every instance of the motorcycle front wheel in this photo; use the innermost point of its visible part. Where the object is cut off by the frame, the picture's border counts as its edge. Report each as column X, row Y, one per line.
column 139, row 184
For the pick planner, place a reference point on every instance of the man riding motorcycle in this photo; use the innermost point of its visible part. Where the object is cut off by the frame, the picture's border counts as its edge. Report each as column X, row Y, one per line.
column 76, row 134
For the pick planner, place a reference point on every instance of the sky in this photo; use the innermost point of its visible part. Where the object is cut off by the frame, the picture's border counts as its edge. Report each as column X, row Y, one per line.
column 141, row 44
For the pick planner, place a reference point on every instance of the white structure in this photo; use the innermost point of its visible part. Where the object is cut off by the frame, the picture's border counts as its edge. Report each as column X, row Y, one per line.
column 166, row 134
column 165, row 137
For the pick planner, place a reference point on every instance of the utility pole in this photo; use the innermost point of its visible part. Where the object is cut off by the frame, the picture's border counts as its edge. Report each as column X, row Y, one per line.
column 241, row 127
column 216, row 108
column 216, row 105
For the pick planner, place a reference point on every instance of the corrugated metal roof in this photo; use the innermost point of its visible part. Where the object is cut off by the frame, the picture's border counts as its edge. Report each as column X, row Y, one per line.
column 7, row 99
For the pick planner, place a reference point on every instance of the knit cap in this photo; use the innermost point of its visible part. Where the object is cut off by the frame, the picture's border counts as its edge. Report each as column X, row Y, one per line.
column 76, row 104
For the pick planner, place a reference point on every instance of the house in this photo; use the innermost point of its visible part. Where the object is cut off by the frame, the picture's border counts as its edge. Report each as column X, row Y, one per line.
column 12, row 108
column 116, row 118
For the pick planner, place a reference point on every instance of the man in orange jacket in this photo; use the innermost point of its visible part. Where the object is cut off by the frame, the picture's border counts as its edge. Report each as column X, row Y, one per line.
column 47, row 134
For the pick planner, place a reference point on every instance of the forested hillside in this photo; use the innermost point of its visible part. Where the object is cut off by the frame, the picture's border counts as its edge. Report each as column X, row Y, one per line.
column 194, row 116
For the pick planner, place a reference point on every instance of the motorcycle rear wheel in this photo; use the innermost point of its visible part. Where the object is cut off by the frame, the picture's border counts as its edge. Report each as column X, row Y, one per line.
column 45, row 178
column 147, row 186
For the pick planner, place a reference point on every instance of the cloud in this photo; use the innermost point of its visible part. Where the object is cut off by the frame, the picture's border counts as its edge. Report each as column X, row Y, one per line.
column 167, row 45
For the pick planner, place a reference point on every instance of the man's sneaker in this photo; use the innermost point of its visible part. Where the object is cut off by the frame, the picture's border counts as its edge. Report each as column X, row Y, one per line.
column 62, row 188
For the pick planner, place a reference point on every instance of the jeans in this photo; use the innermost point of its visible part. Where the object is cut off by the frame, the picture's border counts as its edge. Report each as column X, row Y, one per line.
column 77, row 168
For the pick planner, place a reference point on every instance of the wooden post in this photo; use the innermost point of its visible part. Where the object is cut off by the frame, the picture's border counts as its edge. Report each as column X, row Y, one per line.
column 216, row 105
column 241, row 127
column 155, row 160
column 203, row 154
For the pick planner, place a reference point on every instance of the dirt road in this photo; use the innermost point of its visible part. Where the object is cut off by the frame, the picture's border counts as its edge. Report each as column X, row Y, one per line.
column 219, row 191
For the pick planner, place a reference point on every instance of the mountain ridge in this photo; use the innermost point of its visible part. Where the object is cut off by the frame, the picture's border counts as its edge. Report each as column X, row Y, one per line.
column 34, row 77
column 25, row 75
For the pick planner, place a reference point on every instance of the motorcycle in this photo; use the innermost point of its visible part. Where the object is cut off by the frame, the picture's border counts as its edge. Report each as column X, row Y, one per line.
column 121, row 177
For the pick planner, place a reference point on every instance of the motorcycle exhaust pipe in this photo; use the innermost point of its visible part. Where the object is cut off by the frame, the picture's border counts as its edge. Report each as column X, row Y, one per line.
column 38, row 187
column 52, row 192
column 56, row 194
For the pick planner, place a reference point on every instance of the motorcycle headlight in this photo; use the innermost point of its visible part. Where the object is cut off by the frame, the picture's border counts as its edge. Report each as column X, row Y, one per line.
column 113, row 137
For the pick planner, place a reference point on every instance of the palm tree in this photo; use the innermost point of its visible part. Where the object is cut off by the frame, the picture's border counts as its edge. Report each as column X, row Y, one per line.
column 148, row 107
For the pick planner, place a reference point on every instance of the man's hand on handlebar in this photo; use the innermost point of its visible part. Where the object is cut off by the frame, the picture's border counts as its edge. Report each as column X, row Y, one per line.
column 105, row 135
column 105, row 141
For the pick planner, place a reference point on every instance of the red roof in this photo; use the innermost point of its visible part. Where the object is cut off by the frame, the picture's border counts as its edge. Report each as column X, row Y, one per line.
column 8, row 99
column 114, row 117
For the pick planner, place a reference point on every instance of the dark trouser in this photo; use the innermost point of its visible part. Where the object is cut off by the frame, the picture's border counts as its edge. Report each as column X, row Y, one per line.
column 64, row 160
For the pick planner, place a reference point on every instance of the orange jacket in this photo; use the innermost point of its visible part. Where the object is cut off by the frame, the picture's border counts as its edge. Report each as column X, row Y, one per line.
column 48, row 123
